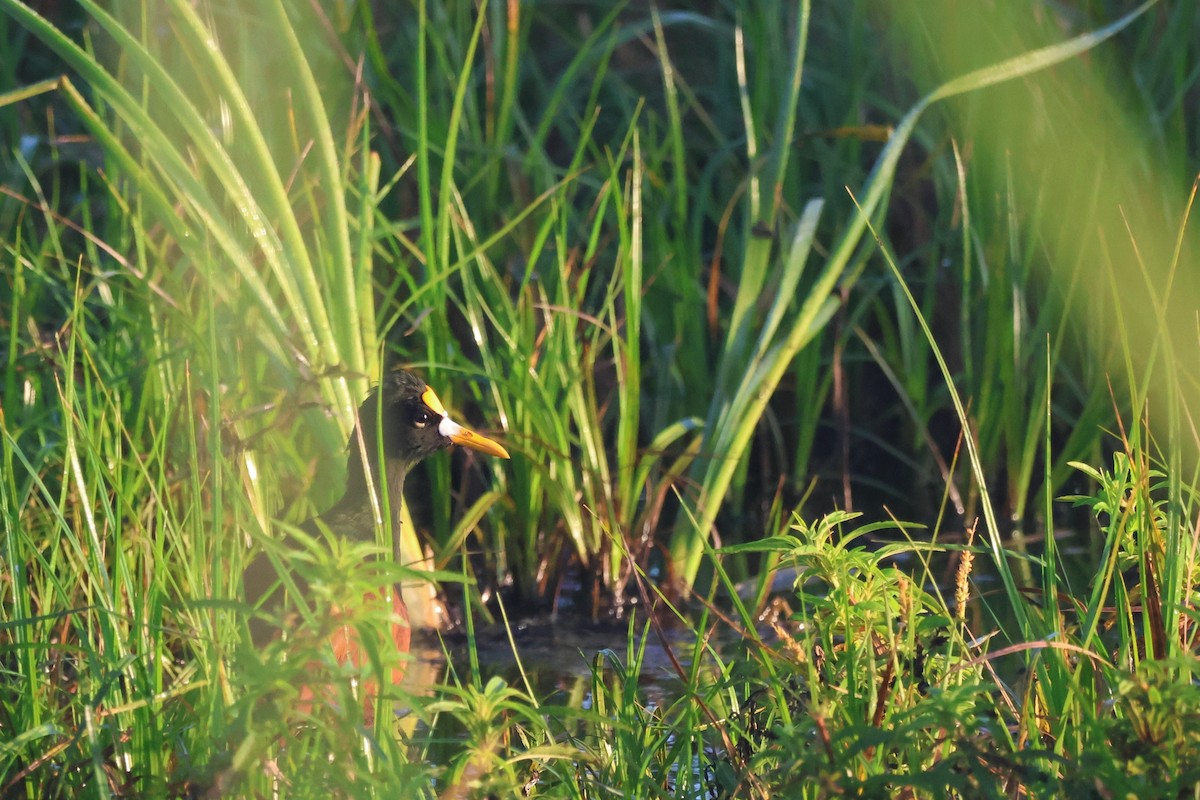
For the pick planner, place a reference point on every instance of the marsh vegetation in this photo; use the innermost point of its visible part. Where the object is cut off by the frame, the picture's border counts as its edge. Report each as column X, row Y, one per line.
column 845, row 353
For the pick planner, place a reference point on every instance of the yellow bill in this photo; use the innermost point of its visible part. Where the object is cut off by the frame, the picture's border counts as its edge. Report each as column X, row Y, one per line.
column 457, row 433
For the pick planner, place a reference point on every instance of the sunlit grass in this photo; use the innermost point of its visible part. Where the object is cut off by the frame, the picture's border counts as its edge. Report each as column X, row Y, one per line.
column 642, row 270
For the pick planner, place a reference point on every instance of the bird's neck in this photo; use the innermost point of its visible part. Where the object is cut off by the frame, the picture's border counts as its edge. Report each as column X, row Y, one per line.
column 366, row 498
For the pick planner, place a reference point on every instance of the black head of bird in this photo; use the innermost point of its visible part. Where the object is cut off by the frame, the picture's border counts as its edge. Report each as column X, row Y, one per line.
column 405, row 421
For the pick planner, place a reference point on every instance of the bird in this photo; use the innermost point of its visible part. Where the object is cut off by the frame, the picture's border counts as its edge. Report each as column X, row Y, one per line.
column 405, row 421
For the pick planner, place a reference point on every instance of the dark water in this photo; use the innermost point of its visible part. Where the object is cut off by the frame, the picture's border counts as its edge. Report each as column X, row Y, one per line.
column 558, row 655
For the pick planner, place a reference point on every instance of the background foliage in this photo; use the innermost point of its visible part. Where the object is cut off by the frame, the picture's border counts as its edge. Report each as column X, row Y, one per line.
column 713, row 272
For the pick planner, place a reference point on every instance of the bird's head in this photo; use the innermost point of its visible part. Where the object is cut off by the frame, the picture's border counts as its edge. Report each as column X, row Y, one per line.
column 415, row 424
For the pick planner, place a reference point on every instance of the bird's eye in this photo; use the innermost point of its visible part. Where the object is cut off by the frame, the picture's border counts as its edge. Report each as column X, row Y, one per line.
column 422, row 417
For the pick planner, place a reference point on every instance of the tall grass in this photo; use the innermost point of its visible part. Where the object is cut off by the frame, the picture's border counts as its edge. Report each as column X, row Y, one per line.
column 641, row 267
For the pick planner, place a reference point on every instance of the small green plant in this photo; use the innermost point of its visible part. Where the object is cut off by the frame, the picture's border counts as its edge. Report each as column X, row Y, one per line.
column 868, row 682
